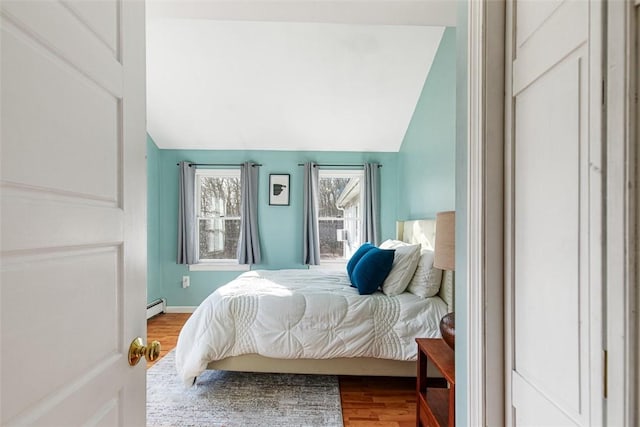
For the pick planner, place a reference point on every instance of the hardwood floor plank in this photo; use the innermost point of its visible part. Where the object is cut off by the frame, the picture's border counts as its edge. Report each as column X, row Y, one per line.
column 366, row 401
column 165, row 328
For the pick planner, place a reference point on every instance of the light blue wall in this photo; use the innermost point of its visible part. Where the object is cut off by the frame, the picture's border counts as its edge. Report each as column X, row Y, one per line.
column 426, row 161
column 280, row 226
column 427, row 157
column 461, row 215
column 154, row 285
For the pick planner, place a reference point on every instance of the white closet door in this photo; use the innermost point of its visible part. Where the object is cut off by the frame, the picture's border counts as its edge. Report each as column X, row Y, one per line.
column 556, row 307
column 73, row 187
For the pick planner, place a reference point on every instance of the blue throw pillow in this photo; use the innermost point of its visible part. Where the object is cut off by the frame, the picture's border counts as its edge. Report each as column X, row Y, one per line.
column 372, row 269
column 362, row 250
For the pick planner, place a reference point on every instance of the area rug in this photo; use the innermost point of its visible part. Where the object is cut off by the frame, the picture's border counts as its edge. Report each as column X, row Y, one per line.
column 222, row 398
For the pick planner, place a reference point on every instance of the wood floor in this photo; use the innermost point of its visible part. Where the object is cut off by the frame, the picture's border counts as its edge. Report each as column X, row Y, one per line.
column 366, row 401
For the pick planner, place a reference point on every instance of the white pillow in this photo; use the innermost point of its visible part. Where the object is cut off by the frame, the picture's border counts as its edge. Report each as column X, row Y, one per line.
column 426, row 280
column 392, row 244
column 405, row 262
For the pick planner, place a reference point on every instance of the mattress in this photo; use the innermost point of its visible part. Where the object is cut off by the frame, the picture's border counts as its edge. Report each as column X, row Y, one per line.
column 303, row 314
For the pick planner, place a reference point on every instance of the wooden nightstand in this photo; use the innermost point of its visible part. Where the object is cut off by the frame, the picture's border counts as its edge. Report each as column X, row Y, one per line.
column 436, row 401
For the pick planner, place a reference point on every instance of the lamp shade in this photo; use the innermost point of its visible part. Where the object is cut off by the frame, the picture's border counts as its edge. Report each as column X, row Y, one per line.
column 445, row 252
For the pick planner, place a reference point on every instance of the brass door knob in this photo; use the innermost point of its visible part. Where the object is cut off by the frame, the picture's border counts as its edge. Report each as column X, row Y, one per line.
column 137, row 350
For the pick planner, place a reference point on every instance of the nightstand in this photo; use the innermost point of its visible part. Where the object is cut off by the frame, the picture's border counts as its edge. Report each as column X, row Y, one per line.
column 435, row 406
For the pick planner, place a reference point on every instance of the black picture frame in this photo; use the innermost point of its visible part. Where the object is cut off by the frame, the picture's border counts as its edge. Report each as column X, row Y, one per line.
column 279, row 189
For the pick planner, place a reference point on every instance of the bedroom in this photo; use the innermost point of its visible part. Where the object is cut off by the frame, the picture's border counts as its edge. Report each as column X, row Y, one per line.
column 419, row 122
column 426, row 156
column 74, row 209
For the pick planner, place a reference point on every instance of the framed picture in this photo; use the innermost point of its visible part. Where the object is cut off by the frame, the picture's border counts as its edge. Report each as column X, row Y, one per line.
column 279, row 189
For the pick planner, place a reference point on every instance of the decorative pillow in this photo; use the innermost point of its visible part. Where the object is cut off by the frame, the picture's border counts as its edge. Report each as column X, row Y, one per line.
column 372, row 269
column 426, row 280
column 362, row 250
column 446, row 289
column 405, row 262
column 392, row 244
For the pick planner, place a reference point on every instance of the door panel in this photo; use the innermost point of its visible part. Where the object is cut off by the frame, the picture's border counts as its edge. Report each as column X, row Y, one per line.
column 555, row 311
column 551, row 42
column 70, row 39
column 533, row 408
column 547, row 300
column 84, row 284
column 531, row 16
column 72, row 212
column 88, row 125
column 102, row 18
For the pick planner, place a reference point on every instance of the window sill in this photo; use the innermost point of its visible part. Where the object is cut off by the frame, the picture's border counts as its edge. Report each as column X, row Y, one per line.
column 211, row 266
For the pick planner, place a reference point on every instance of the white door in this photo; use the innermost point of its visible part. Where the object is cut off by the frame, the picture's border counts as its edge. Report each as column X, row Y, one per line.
column 73, row 212
column 555, row 310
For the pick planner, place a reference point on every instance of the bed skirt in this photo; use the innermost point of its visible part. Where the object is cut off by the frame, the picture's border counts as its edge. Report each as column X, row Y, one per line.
column 340, row 366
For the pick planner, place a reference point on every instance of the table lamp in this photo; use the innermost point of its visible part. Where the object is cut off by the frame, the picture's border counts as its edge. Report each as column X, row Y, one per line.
column 445, row 259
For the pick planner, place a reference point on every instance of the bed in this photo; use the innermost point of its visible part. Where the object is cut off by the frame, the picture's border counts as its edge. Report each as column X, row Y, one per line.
column 311, row 321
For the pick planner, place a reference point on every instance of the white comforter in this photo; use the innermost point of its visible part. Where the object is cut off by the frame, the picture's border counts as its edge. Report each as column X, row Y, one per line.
column 303, row 314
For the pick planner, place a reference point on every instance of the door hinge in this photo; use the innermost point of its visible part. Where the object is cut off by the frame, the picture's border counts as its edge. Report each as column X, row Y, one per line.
column 605, row 374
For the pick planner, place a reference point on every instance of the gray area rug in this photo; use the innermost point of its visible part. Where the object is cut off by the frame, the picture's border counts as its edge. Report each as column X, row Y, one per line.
column 222, row 398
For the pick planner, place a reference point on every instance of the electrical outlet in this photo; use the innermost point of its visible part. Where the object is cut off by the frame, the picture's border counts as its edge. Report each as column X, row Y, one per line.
column 185, row 281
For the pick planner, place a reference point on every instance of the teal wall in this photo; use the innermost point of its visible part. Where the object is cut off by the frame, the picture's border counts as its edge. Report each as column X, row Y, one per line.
column 154, row 285
column 416, row 182
column 280, row 226
column 461, row 215
column 426, row 161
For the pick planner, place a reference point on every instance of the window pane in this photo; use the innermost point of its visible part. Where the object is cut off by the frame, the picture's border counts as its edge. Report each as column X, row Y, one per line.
column 219, row 196
column 339, row 198
column 218, row 238
column 330, row 191
column 330, row 247
column 352, row 235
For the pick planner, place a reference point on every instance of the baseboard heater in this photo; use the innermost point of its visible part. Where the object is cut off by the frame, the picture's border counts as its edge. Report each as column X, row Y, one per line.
column 156, row 307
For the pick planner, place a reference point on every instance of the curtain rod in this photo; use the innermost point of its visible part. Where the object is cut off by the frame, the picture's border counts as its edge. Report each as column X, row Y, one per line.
column 218, row 164
column 337, row 166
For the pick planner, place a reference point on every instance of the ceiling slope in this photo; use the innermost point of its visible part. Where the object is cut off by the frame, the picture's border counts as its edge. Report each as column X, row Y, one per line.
column 285, row 85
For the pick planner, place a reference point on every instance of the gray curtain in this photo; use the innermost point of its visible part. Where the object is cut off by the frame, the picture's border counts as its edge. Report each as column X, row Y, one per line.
column 249, row 243
column 311, row 235
column 187, row 239
column 371, row 208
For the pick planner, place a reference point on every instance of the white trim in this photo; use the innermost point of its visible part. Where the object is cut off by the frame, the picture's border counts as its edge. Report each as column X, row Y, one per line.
column 493, row 213
column 509, row 203
column 621, row 214
column 156, row 307
column 596, row 210
column 475, row 177
column 485, row 225
column 181, row 308
column 215, row 173
column 340, row 173
column 219, row 266
column 220, row 173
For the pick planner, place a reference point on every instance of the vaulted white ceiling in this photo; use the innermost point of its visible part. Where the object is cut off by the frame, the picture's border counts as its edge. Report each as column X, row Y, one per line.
column 305, row 75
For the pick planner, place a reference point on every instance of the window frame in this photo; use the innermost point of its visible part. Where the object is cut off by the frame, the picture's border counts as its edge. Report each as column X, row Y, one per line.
column 341, row 173
column 214, row 264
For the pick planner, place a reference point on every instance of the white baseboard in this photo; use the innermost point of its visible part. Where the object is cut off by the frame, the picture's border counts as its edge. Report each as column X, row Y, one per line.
column 156, row 307
column 180, row 309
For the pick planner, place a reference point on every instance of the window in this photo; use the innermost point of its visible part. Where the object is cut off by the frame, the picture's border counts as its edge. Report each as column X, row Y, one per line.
column 218, row 211
column 340, row 213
